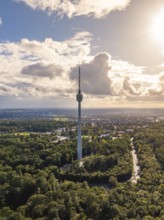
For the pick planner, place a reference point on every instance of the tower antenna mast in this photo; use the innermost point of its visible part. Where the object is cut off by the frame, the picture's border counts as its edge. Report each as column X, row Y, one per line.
column 79, row 78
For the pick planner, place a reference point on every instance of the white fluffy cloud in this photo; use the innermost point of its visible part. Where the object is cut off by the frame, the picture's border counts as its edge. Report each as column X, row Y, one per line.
column 97, row 9
column 105, row 77
column 41, row 68
column 49, row 68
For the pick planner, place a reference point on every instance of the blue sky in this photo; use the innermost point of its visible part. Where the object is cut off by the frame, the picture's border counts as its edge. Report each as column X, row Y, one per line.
column 120, row 52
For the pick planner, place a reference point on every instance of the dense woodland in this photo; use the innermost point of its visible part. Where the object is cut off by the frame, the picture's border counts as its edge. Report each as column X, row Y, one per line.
column 34, row 183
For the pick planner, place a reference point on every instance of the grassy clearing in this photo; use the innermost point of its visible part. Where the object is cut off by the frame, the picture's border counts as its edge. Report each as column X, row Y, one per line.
column 61, row 119
column 22, row 133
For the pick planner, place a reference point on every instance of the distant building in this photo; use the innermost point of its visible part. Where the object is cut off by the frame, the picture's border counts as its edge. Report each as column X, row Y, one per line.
column 161, row 119
column 129, row 130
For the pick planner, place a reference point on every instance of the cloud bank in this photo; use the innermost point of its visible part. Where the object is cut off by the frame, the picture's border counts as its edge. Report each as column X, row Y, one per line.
column 103, row 77
column 49, row 68
column 97, row 9
column 41, row 68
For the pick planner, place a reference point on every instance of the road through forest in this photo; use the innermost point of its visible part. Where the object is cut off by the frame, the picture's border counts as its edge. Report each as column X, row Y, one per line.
column 136, row 167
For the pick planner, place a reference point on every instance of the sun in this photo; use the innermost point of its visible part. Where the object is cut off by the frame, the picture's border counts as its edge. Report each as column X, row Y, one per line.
column 157, row 27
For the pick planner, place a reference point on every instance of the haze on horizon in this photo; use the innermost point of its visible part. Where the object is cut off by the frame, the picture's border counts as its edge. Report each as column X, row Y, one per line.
column 119, row 45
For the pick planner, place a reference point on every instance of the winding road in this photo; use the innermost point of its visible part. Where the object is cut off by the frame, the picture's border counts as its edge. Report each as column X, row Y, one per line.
column 136, row 167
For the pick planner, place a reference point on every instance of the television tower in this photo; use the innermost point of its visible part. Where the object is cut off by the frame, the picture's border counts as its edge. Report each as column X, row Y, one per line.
column 79, row 98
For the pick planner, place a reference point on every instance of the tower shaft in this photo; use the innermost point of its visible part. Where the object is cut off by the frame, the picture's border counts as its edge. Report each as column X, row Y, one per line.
column 79, row 98
column 79, row 147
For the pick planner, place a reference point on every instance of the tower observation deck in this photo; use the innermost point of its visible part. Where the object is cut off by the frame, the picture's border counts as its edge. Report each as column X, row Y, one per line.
column 79, row 98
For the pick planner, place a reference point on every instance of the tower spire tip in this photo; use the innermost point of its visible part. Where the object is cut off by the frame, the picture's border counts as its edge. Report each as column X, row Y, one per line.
column 79, row 78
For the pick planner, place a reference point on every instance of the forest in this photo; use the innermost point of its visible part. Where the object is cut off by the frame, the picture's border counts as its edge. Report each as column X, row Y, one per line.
column 35, row 182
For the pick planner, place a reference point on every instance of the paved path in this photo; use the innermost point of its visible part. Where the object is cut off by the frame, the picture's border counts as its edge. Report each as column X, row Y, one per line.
column 136, row 168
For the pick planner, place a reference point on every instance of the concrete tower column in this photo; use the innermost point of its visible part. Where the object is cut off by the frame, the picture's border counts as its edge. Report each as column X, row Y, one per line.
column 79, row 98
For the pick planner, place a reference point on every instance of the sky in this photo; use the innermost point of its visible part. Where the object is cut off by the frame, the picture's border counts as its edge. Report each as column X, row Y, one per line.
column 118, row 44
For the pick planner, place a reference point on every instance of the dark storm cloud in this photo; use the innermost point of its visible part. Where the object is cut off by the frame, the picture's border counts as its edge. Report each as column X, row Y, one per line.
column 94, row 75
column 41, row 70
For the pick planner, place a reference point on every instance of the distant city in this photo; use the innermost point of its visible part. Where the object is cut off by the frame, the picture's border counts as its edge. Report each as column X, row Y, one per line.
column 86, row 113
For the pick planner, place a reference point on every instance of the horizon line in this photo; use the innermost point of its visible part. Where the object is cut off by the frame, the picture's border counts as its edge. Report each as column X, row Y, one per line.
column 22, row 108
